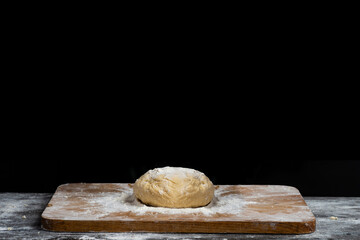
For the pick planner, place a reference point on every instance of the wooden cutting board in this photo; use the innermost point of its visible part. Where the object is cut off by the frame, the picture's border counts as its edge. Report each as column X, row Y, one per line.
column 111, row 207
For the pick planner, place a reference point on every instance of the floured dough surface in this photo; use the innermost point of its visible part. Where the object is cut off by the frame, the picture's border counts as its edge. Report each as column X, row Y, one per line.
column 174, row 187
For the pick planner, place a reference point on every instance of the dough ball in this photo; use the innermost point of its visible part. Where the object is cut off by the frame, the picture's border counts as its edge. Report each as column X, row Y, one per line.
column 174, row 187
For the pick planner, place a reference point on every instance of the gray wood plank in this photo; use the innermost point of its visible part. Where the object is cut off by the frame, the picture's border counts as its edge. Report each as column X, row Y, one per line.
column 20, row 219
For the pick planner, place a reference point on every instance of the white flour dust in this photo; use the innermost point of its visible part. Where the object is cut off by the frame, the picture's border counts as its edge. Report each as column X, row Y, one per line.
column 124, row 201
column 118, row 202
column 170, row 172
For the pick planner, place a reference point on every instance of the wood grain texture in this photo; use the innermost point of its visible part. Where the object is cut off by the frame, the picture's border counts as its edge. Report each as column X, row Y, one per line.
column 13, row 206
column 238, row 209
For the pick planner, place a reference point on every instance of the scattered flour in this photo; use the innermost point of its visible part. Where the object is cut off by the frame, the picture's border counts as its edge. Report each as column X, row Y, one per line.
column 105, row 204
column 87, row 238
column 170, row 172
column 228, row 204
column 125, row 202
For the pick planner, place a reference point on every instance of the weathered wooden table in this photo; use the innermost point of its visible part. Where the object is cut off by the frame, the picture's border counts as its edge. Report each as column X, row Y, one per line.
column 337, row 218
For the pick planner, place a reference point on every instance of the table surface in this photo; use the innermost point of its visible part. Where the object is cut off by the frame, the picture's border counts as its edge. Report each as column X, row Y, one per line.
column 336, row 218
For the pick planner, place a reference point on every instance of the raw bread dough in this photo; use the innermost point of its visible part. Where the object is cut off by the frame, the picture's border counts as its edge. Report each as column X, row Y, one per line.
column 174, row 187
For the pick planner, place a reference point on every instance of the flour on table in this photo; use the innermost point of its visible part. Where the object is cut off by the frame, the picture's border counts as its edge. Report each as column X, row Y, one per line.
column 126, row 202
column 242, row 203
column 104, row 204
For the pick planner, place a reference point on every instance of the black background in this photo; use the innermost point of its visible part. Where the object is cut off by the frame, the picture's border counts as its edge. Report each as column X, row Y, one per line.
column 60, row 138
column 259, row 103
column 311, row 177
